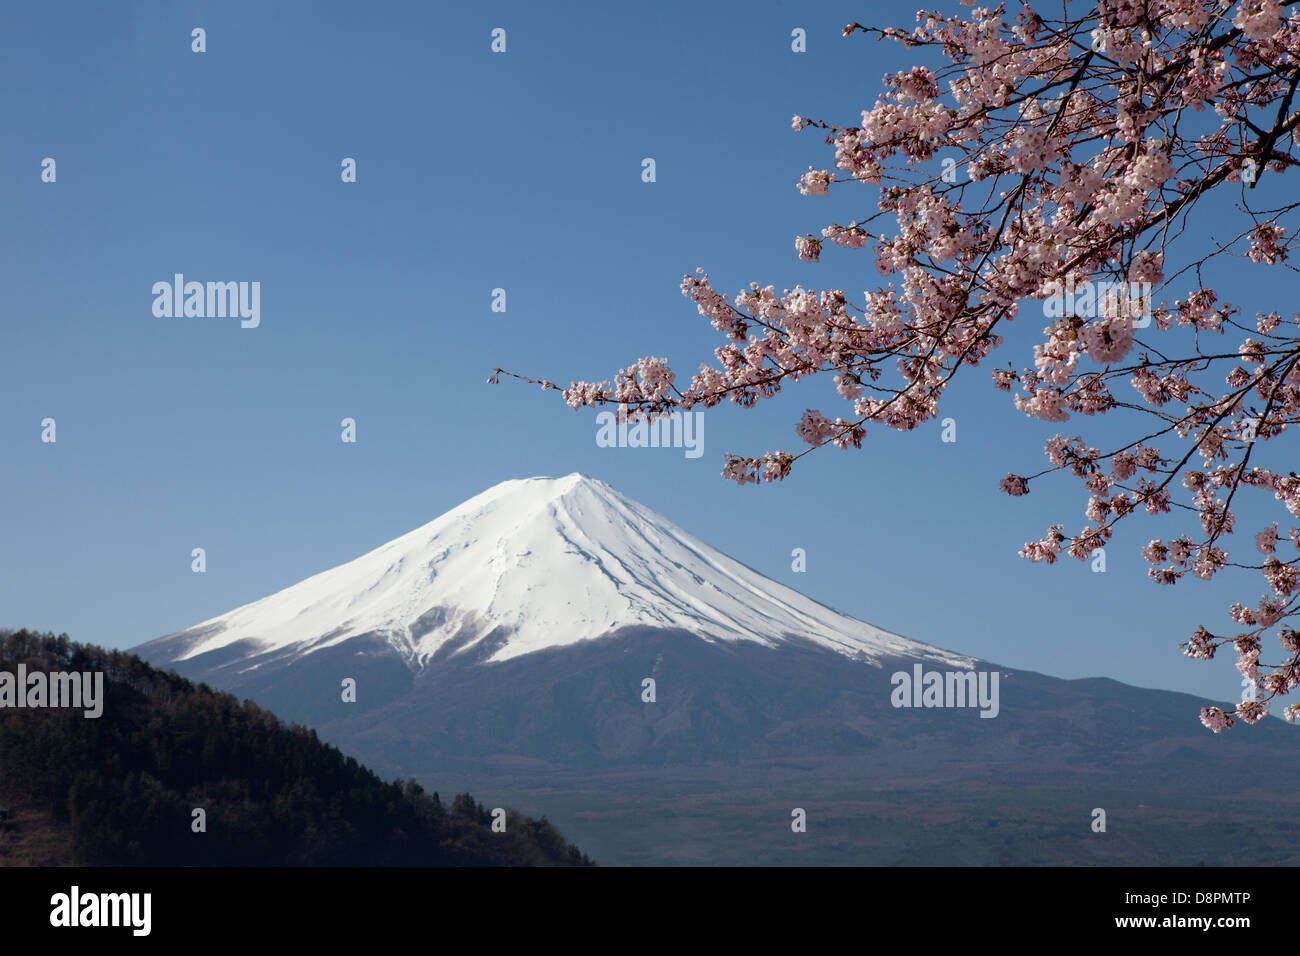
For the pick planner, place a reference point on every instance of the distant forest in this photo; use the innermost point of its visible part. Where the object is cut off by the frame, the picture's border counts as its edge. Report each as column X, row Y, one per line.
column 120, row 790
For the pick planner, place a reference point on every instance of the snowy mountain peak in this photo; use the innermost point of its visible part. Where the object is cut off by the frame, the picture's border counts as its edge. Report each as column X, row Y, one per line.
column 536, row 563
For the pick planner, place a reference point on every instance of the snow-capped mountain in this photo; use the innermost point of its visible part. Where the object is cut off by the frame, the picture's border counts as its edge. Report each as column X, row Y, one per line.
column 569, row 651
column 526, row 566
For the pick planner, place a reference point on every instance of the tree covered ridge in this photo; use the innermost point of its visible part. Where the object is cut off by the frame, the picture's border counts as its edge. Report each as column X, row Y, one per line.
column 121, row 789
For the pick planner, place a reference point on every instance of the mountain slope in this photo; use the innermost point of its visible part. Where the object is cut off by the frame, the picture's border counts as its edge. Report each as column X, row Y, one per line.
column 121, row 789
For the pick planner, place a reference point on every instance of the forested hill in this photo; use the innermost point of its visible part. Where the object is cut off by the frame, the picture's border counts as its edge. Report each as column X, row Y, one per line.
column 121, row 789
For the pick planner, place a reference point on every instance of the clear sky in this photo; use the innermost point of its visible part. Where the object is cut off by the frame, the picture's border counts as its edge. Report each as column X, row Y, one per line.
column 476, row 171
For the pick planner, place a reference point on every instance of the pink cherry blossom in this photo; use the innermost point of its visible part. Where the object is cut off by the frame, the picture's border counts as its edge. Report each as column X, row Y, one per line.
column 1085, row 142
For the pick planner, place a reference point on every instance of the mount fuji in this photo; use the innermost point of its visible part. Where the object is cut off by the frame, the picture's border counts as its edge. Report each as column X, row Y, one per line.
column 528, row 565
column 507, row 646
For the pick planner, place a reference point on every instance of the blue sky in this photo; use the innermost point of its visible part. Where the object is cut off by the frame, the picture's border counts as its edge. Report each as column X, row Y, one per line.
column 475, row 171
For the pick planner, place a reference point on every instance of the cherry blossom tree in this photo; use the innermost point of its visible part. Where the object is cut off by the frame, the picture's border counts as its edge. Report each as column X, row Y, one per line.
column 1086, row 142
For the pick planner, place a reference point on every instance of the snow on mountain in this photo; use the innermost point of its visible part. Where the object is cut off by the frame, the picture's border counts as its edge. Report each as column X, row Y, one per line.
column 540, row 563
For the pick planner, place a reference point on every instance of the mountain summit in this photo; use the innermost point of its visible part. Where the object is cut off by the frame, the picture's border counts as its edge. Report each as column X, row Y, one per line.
column 530, row 565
